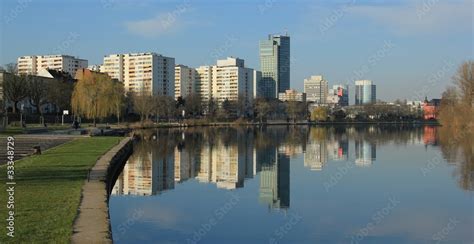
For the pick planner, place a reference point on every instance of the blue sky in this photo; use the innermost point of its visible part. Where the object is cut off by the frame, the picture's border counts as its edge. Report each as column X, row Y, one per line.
column 408, row 48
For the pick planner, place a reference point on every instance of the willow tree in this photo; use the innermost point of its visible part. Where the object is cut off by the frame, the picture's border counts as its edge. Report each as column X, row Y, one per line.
column 92, row 94
column 117, row 98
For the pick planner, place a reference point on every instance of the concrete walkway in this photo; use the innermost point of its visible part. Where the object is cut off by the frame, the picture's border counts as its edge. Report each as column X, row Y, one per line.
column 92, row 224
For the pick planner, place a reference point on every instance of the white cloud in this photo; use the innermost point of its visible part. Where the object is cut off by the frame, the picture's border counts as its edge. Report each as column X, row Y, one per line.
column 157, row 26
column 420, row 17
column 160, row 24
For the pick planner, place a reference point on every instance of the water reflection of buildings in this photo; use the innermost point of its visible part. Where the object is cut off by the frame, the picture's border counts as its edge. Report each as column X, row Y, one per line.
column 316, row 155
column 145, row 174
column 365, row 152
column 223, row 164
column 318, row 152
column 274, row 178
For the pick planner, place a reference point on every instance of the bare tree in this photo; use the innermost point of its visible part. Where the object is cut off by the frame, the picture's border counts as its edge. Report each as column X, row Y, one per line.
column 464, row 80
column 15, row 89
column 193, row 105
column 37, row 92
column 164, row 106
column 262, row 108
column 11, row 68
column 143, row 104
column 60, row 93
column 295, row 110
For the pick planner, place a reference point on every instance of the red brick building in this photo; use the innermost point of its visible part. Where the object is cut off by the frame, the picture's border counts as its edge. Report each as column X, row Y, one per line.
column 431, row 109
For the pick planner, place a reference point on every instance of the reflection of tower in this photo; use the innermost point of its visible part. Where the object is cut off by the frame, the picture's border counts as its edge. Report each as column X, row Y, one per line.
column 339, row 150
column 118, row 186
column 223, row 164
column 316, row 155
column 183, row 165
column 365, row 152
column 163, row 172
column 275, row 181
column 148, row 171
column 136, row 176
column 204, row 167
column 228, row 167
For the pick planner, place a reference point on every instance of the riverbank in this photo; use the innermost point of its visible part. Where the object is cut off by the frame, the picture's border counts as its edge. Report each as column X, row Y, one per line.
column 48, row 190
column 271, row 123
column 92, row 224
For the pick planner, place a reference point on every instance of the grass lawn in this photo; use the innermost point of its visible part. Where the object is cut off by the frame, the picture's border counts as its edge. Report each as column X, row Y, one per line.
column 48, row 190
column 15, row 130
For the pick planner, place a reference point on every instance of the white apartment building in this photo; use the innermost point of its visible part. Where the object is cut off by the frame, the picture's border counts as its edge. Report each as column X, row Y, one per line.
column 204, row 79
column 232, row 80
column 292, row 95
column 31, row 65
column 184, row 81
column 148, row 72
column 316, row 89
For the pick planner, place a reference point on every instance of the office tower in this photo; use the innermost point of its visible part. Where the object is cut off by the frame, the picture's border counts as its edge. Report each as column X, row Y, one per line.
column 31, row 65
column 316, row 89
column 365, row 92
column 142, row 72
column 184, row 81
column 338, row 95
column 275, row 65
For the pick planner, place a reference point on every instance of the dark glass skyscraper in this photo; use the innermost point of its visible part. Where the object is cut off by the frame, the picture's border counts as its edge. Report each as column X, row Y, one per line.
column 275, row 65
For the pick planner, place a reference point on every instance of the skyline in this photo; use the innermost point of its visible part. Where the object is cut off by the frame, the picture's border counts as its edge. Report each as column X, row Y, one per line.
column 417, row 53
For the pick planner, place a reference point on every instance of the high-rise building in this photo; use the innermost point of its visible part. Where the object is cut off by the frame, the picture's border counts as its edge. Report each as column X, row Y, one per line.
column 275, row 65
column 203, row 79
column 31, row 65
column 142, row 72
column 338, row 95
column 365, row 92
column 232, row 80
column 316, row 89
column 184, row 81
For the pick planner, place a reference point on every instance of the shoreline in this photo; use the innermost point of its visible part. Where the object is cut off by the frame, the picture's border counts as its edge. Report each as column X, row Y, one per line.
column 92, row 222
column 279, row 123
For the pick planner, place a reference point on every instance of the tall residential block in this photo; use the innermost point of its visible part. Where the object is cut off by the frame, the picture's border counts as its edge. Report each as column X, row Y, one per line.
column 365, row 92
column 31, row 65
column 204, row 79
column 316, row 89
column 232, row 80
column 275, row 65
column 142, row 72
column 184, row 81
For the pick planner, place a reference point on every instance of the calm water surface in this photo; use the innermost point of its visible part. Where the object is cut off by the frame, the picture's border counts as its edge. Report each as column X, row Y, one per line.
column 296, row 185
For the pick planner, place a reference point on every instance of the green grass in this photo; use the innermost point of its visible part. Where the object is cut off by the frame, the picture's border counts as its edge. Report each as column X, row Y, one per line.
column 15, row 130
column 48, row 190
